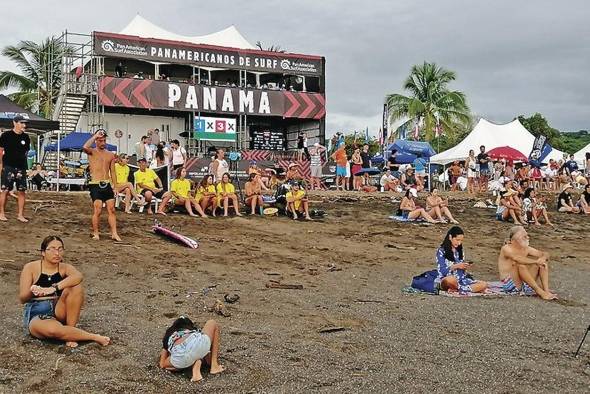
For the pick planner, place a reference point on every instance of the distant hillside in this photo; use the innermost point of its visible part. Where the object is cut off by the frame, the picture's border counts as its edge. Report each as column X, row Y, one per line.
column 571, row 142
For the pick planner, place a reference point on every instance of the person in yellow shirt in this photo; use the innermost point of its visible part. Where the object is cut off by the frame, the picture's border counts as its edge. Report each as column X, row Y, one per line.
column 145, row 182
column 207, row 194
column 123, row 185
column 297, row 201
column 226, row 192
column 180, row 188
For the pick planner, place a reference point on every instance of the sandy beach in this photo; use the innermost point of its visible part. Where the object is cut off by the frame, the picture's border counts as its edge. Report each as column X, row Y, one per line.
column 351, row 265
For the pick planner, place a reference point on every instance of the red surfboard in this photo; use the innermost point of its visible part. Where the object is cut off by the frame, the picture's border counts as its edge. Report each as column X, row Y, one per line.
column 158, row 228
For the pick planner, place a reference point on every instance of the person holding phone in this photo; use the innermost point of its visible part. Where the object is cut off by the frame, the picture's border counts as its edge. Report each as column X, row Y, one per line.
column 452, row 267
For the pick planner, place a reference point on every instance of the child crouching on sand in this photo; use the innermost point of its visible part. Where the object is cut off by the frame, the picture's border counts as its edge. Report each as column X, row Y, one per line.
column 185, row 346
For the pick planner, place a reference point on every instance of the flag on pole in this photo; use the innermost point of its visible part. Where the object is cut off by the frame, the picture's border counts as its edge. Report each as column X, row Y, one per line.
column 367, row 134
column 380, row 136
column 385, row 121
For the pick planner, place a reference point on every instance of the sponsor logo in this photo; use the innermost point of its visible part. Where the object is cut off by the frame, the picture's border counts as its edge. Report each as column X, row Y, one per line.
column 285, row 64
column 108, row 46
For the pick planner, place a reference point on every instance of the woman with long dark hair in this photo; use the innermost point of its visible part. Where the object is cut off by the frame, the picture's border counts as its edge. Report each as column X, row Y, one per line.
column 451, row 265
column 53, row 296
column 207, row 194
column 185, row 345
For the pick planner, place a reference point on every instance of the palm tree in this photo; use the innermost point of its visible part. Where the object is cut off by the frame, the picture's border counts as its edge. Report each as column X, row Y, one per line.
column 40, row 64
column 429, row 98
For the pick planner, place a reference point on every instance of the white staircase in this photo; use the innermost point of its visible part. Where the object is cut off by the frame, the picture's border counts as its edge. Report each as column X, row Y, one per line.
column 68, row 112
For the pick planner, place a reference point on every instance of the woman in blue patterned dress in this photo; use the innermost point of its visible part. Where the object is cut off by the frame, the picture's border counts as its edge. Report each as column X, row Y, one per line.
column 451, row 265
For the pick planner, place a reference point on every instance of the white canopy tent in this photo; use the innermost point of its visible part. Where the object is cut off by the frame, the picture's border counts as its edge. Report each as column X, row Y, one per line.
column 580, row 156
column 229, row 37
column 492, row 136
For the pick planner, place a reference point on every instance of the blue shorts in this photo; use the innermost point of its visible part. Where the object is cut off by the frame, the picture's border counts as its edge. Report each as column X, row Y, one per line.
column 195, row 347
column 340, row 171
column 508, row 286
column 44, row 309
column 405, row 214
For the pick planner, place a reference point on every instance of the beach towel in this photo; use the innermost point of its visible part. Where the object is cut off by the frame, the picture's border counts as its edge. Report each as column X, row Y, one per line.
column 403, row 219
column 494, row 290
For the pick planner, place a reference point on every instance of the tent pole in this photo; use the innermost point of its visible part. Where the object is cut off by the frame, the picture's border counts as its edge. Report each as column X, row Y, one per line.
column 58, row 152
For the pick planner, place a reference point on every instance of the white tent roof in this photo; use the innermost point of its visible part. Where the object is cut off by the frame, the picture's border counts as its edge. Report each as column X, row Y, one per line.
column 229, row 37
column 492, row 136
column 580, row 156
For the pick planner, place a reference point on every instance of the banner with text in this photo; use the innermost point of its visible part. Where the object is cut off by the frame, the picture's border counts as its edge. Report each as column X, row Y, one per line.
column 150, row 94
column 165, row 51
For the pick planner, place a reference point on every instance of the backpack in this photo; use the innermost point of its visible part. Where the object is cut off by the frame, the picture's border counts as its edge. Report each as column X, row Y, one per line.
column 425, row 282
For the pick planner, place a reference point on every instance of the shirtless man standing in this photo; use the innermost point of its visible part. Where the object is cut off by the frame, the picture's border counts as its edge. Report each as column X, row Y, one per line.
column 520, row 265
column 102, row 176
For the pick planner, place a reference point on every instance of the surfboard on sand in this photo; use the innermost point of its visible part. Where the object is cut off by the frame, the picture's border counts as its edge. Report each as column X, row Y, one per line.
column 158, row 228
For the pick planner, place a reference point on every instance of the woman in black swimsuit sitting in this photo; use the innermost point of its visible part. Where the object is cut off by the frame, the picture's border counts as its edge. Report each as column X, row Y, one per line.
column 53, row 297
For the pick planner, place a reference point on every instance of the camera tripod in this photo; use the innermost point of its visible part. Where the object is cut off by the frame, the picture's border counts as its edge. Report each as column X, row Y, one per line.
column 581, row 343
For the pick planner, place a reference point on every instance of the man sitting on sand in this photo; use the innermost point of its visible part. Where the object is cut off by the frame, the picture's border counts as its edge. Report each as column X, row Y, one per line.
column 297, row 201
column 520, row 266
column 388, row 182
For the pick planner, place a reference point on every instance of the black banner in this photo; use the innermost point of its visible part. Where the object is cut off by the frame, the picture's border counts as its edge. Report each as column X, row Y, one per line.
column 155, row 50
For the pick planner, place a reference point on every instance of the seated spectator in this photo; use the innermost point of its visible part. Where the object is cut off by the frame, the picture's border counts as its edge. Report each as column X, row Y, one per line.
column 123, row 185
column 534, row 207
column 293, row 173
column 38, row 176
column 507, row 208
column 522, row 173
column 455, row 172
column 297, row 202
column 409, row 181
column 388, row 182
column 146, row 180
column 565, row 201
column 207, row 194
column 522, row 267
column 584, row 201
column 53, row 296
column 226, row 192
column 438, row 208
column 452, row 267
column 186, row 346
column 253, row 193
column 180, row 189
column 409, row 210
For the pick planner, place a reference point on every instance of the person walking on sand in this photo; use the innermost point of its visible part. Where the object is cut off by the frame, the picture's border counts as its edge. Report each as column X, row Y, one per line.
column 53, row 296
column 14, row 145
column 521, row 267
column 185, row 345
column 102, row 176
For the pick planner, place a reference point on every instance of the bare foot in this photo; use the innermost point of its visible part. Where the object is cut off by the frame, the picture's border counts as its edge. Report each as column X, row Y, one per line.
column 454, row 222
column 162, row 213
column 3, row 218
column 72, row 344
column 217, row 369
column 204, row 216
column 308, row 218
column 150, row 212
column 104, row 341
column 239, row 214
column 115, row 237
column 22, row 219
column 547, row 295
column 197, row 378
column 128, row 211
column 225, row 215
column 95, row 237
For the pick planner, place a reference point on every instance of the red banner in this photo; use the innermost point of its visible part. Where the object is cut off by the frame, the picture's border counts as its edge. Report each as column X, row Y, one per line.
column 150, row 94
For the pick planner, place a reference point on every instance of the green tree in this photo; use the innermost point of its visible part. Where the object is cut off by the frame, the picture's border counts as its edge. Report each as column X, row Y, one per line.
column 429, row 96
column 38, row 83
column 358, row 140
column 538, row 125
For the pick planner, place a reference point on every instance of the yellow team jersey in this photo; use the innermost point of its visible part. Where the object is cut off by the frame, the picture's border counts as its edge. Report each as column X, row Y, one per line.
column 229, row 188
column 122, row 173
column 182, row 187
column 297, row 196
column 202, row 190
column 147, row 178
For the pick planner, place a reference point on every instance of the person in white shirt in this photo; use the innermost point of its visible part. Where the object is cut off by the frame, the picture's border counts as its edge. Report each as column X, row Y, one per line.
column 178, row 154
column 388, row 182
column 219, row 165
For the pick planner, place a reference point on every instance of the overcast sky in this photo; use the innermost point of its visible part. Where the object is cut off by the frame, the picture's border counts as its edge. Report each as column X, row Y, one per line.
column 511, row 56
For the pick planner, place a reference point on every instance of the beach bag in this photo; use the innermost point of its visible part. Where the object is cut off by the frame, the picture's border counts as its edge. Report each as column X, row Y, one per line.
column 425, row 282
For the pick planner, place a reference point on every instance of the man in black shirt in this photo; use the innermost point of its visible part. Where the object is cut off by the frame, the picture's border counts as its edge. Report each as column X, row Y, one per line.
column 391, row 162
column 366, row 158
column 14, row 146
column 484, row 168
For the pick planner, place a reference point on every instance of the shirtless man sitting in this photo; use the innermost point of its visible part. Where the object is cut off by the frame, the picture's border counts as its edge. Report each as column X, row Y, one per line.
column 521, row 266
column 102, row 176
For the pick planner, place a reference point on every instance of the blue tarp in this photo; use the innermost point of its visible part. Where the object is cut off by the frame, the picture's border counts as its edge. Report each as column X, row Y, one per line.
column 407, row 152
column 74, row 142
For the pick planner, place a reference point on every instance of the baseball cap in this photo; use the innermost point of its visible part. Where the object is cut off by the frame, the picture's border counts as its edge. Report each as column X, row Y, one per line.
column 20, row 118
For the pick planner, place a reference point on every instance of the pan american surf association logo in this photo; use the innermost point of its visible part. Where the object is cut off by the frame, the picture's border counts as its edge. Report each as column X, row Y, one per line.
column 123, row 49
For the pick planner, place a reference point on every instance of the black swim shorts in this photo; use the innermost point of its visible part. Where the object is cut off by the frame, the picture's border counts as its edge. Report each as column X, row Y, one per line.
column 12, row 176
column 159, row 194
column 101, row 191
